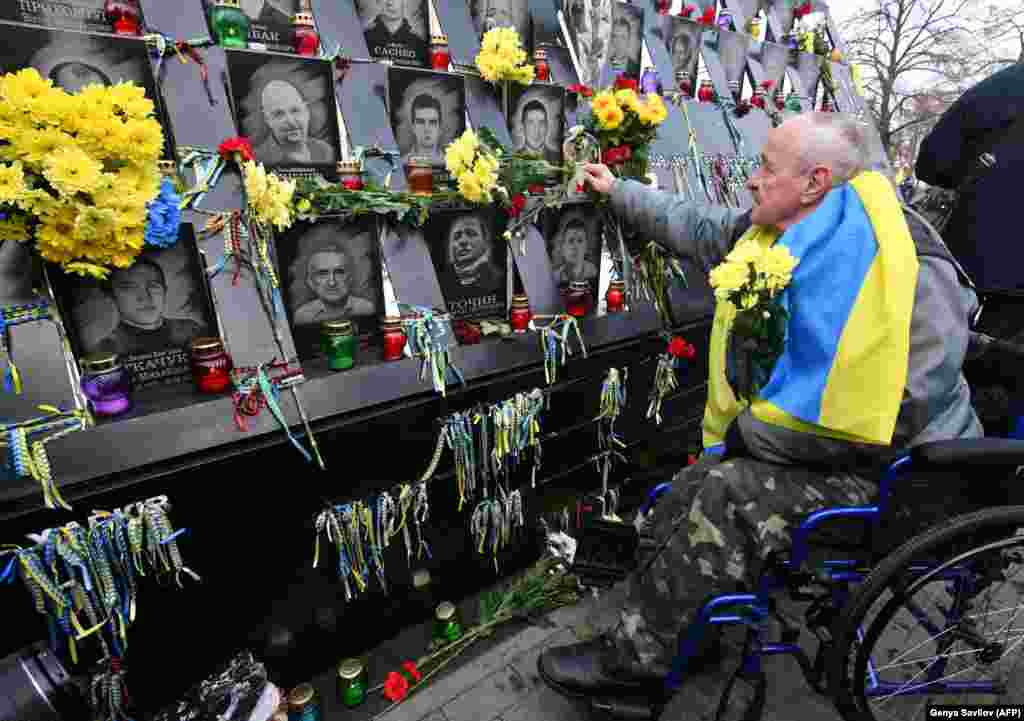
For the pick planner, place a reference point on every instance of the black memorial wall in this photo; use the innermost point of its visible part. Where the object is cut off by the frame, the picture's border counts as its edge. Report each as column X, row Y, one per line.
column 248, row 499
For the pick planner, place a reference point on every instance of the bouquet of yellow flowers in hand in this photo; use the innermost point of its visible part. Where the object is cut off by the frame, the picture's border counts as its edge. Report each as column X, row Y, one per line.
column 77, row 171
column 502, row 58
column 750, row 279
column 625, row 123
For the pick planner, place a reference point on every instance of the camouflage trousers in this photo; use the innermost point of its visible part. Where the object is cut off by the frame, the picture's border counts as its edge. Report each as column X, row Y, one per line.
column 711, row 534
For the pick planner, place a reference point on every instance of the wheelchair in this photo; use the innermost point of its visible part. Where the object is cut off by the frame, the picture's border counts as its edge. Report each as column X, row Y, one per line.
column 910, row 616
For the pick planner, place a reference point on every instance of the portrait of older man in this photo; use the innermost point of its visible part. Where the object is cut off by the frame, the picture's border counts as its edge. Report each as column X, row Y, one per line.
column 140, row 295
column 390, row 32
column 469, row 264
column 537, row 123
column 286, row 106
column 625, row 43
column 328, row 277
column 683, row 46
column 570, row 249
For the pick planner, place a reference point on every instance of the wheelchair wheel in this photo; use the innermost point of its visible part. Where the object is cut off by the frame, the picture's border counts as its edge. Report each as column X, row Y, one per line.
column 939, row 621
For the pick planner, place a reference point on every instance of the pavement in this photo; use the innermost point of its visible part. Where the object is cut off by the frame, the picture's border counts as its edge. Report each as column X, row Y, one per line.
column 499, row 682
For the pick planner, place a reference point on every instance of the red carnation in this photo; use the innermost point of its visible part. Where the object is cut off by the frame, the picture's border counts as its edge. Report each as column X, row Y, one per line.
column 580, row 89
column 708, row 18
column 237, row 146
column 624, row 83
column 535, row 189
column 768, row 84
column 518, row 203
column 396, row 687
column 618, row 154
column 664, row 6
column 410, row 668
column 688, row 11
column 679, row 348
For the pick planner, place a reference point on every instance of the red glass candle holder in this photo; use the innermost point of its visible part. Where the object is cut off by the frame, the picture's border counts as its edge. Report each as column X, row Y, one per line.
column 124, row 16
column 827, row 106
column 758, row 100
column 780, row 102
column 615, row 298
column 706, row 93
column 519, row 315
column 305, row 39
column 394, row 338
column 684, row 83
column 211, row 365
column 664, row 6
column 467, row 332
column 439, row 55
column 540, row 65
column 578, row 299
column 350, row 174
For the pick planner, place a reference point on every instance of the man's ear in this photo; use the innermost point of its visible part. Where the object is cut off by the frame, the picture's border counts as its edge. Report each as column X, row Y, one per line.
column 819, row 182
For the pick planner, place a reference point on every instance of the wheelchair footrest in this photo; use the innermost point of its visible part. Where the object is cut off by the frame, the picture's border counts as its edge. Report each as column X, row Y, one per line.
column 606, row 552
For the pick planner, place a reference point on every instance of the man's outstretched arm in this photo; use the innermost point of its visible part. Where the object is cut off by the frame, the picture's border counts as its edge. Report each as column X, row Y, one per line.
column 702, row 233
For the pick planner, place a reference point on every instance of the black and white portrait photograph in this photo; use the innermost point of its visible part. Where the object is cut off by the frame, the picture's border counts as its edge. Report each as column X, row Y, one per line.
column 471, row 259
column 270, row 23
column 625, row 50
column 286, row 107
column 490, row 14
column 147, row 313
column 85, row 15
column 683, row 38
column 330, row 270
column 428, row 111
column 537, row 122
column 397, row 30
column 590, row 23
column 573, row 238
column 73, row 60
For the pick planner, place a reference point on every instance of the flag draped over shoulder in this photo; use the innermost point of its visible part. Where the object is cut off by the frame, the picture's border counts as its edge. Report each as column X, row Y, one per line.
column 843, row 370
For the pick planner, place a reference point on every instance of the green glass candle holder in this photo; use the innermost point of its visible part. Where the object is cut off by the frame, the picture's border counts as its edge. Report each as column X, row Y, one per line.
column 353, row 682
column 447, row 628
column 230, row 24
column 338, row 344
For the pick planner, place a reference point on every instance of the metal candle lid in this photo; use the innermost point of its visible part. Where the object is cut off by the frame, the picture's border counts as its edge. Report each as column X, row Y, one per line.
column 540, row 54
column 438, row 39
column 304, row 19
column 618, row 284
column 337, row 327
column 167, row 167
column 300, row 695
column 99, row 363
column 207, row 345
column 520, row 300
column 348, row 167
column 350, row 668
column 579, row 285
column 229, row 4
column 445, row 611
column 419, row 161
column 421, row 578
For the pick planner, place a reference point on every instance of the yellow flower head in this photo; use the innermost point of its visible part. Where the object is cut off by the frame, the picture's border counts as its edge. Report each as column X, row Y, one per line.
column 21, row 89
column 611, row 117
column 727, row 278
column 470, row 189
column 460, row 153
column 145, row 139
column 71, row 170
column 12, row 182
column 37, row 145
column 656, row 112
column 131, row 100
column 627, row 99
column 602, row 101
column 745, row 253
column 777, row 263
column 502, row 57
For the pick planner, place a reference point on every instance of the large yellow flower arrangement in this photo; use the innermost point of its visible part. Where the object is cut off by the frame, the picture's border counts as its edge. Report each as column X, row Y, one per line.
column 474, row 166
column 752, row 274
column 502, row 58
column 77, row 171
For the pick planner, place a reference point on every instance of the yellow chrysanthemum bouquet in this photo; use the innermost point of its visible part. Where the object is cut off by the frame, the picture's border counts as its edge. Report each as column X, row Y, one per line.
column 750, row 279
column 77, row 171
column 625, row 123
column 502, row 58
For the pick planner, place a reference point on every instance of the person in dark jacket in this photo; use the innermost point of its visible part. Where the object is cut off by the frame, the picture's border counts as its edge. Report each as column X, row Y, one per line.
column 977, row 233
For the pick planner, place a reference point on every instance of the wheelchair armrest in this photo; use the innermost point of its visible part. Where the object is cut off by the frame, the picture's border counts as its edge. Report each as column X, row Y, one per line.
column 969, row 451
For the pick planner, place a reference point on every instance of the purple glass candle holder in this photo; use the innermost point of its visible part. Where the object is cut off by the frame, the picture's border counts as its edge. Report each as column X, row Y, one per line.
column 107, row 384
column 650, row 82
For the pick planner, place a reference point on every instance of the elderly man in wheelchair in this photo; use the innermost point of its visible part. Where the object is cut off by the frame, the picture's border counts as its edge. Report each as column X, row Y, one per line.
column 878, row 329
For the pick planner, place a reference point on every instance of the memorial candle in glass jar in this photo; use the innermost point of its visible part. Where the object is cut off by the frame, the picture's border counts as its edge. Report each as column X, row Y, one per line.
column 106, row 383
column 578, row 298
column 124, row 16
column 706, row 94
column 211, row 366
column 352, row 682
column 540, row 65
column 439, row 55
column 230, row 25
column 350, row 174
column 615, row 298
column 394, row 338
column 447, row 628
column 519, row 316
column 338, row 344
column 305, row 40
column 419, row 173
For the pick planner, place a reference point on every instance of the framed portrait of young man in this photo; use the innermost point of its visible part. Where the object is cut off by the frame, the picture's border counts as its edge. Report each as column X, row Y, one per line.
column 428, row 111
column 73, row 59
column 625, row 47
column 331, row 270
column 287, row 109
column 147, row 314
column 490, row 14
column 470, row 256
column 537, row 122
column 87, row 15
column 270, row 23
column 683, row 39
column 397, row 30
column 572, row 235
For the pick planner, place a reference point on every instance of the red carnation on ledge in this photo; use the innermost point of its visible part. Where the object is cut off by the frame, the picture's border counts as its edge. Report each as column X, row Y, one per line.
column 396, row 687
column 518, row 203
column 679, row 348
column 687, row 11
column 624, row 83
column 708, row 18
column 579, row 89
column 235, row 148
column 410, row 668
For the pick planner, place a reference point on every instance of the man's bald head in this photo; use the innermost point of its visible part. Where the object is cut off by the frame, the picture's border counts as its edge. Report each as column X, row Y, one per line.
column 286, row 113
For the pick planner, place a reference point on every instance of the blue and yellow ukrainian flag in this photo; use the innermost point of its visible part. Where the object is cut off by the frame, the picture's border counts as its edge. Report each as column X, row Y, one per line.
column 843, row 371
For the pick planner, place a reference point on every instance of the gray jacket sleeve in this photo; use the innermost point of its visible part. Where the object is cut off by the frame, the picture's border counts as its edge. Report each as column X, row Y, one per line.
column 703, row 234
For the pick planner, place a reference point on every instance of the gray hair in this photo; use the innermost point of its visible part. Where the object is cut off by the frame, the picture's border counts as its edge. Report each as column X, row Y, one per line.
column 836, row 141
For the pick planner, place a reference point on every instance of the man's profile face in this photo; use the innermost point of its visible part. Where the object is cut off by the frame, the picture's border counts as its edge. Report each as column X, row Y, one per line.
column 72, row 77
column 620, row 40
column 778, row 183
column 140, row 295
column 327, row 276
column 392, row 10
column 285, row 113
column 426, row 128
column 574, row 243
column 466, row 241
column 535, row 128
